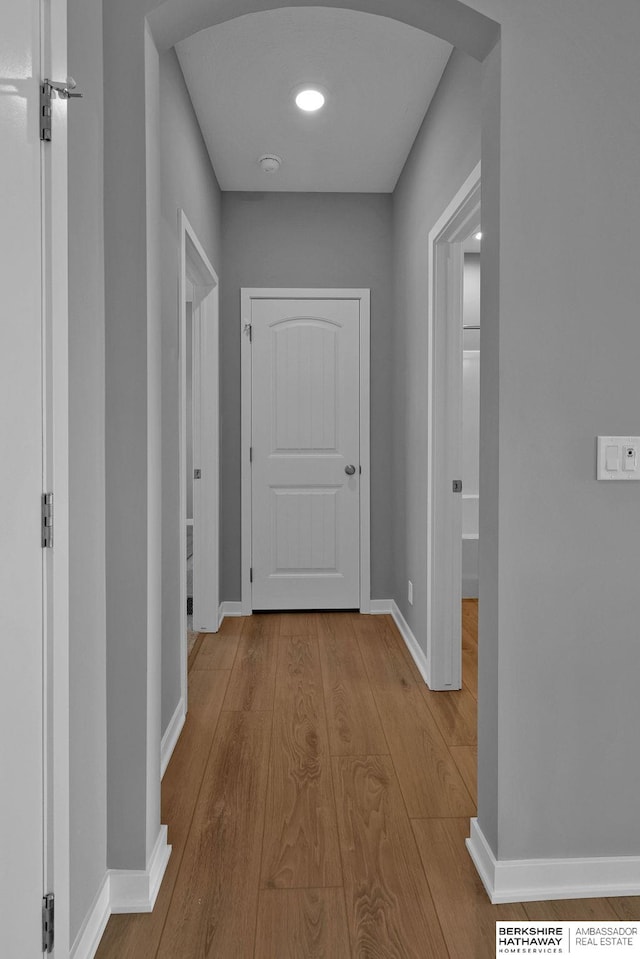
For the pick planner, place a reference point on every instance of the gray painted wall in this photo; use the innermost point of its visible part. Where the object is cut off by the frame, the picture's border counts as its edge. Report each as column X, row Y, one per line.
column 187, row 182
column 446, row 150
column 312, row 240
column 127, row 438
column 87, row 652
column 563, row 332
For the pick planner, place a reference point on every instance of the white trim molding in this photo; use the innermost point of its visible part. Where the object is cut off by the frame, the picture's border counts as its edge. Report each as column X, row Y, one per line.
column 391, row 608
column 229, row 608
column 530, row 880
column 88, row 939
column 380, row 607
column 122, row 891
column 136, row 890
column 171, row 735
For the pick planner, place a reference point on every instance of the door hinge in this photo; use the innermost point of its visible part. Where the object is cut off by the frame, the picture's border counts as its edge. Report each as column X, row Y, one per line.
column 197, row 474
column 248, row 331
column 45, row 111
column 251, row 574
column 48, row 918
column 48, row 90
column 251, row 454
column 47, row 520
column 457, row 486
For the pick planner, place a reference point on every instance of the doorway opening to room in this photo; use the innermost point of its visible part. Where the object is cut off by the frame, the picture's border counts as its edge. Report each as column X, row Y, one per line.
column 198, row 444
column 189, row 478
column 453, row 435
column 470, row 457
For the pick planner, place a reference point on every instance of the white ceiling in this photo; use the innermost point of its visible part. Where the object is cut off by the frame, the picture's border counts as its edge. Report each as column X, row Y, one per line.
column 380, row 76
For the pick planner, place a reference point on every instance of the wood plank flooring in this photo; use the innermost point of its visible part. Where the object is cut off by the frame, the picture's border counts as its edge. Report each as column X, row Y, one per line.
column 318, row 801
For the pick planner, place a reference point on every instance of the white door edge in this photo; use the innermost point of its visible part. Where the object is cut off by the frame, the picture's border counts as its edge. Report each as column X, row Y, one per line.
column 197, row 271
column 56, row 478
column 444, row 436
column 364, row 296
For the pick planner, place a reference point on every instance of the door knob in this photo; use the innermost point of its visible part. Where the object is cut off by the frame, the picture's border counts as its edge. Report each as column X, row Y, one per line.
column 349, row 470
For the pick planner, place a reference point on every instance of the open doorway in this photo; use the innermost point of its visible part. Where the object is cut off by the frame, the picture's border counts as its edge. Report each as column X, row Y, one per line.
column 470, row 414
column 446, row 502
column 189, row 478
column 199, row 448
column 470, row 457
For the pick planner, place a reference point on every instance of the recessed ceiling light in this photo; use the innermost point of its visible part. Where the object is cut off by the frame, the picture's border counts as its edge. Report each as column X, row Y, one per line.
column 310, row 99
column 478, row 236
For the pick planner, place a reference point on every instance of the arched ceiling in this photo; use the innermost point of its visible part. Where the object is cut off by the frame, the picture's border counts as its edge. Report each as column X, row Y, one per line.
column 452, row 20
column 380, row 76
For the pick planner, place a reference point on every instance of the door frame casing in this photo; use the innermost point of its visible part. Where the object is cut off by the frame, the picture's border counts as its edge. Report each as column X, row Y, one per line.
column 247, row 295
column 196, row 269
column 444, row 436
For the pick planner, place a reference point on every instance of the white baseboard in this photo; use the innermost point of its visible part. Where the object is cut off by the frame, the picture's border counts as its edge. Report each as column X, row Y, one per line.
column 381, row 606
column 229, row 609
column 530, row 880
column 390, row 607
column 88, row 939
column 171, row 735
column 135, row 890
column 122, row 890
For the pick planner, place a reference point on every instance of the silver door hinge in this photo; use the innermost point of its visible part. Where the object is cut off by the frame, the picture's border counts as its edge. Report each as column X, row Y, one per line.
column 45, row 111
column 248, row 331
column 457, row 486
column 251, row 574
column 47, row 520
column 197, row 474
column 251, row 454
column 47, row 922
column 48, row 90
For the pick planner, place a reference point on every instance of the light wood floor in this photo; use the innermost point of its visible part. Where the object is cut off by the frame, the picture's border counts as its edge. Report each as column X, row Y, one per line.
column 318, row 801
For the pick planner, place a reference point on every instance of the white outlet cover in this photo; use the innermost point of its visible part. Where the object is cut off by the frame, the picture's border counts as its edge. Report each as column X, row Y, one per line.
column 621, row 442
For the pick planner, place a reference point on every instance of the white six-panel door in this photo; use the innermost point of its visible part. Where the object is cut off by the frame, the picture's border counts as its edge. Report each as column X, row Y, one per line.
column 306, row 453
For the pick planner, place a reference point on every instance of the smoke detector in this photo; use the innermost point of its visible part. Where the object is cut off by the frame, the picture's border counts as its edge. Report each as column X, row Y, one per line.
column 270, row 163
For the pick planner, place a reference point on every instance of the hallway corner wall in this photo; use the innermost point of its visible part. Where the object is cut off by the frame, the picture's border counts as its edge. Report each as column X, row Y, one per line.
column 87, row 629
column 559, row 652
column 133, row 649
column 188, row 182
column 445, row 152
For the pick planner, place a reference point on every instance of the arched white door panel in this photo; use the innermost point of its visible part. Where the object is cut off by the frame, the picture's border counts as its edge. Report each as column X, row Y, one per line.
column 306, row 480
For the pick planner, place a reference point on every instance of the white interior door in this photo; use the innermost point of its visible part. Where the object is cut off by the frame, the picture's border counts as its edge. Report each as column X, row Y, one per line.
column 24, row 353
column 305, row 485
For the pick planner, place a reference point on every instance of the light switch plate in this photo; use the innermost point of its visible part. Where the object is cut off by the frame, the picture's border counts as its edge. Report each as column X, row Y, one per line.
column 618, row 458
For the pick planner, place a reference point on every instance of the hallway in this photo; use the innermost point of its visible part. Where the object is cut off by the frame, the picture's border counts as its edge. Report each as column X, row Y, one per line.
column 318, row 801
